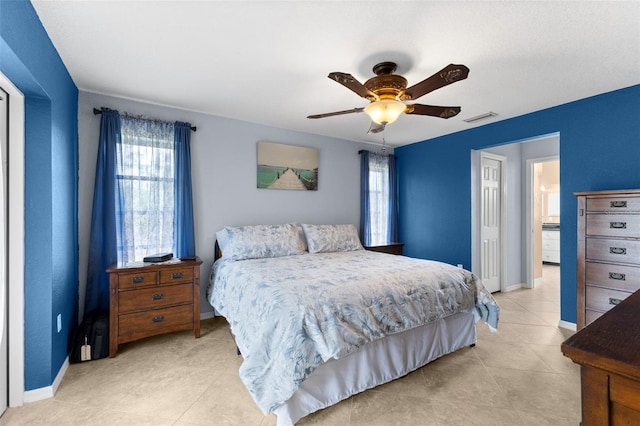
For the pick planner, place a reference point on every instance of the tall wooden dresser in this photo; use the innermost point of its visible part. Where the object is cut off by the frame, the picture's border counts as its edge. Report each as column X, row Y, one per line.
column 147, row 299
column 608, row 264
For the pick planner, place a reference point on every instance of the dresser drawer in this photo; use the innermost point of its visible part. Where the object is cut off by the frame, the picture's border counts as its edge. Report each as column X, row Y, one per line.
column 612, row 250
column 155, row 319
column 613, row 204
column 591, row 316
column 178, row 275
column 625, row 392
column 138, row 279
column 603, row 299
column 155, row 297
column 550, row 235
column 624, row 225
column 617, row 277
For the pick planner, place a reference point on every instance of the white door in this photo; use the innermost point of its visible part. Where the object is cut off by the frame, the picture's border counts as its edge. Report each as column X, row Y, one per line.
column 4, row 347
column 491, row 219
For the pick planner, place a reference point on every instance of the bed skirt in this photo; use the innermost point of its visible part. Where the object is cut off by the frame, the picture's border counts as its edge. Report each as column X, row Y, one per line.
column 376, row 363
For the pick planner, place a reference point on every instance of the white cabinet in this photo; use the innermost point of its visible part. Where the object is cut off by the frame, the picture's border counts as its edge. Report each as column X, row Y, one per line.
column 551, row 245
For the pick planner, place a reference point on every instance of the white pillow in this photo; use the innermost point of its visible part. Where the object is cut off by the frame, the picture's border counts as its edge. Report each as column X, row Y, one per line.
column 259, row 241
column 331, row 238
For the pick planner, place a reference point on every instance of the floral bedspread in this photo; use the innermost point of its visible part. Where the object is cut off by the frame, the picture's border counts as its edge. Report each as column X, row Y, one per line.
column 293, row 313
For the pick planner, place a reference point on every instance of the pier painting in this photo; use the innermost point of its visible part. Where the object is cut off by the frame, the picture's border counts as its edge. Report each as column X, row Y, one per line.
column 287, row 167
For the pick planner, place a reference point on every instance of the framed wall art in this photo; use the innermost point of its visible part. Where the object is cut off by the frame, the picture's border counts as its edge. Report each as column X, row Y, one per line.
column 283, row 166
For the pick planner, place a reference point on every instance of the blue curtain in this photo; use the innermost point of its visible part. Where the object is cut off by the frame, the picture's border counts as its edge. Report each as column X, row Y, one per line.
column 365, row 217
column 184, row 238
column 103, row 243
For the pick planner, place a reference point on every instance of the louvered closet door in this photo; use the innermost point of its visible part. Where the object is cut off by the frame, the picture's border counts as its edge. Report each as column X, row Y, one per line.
column 491, row 256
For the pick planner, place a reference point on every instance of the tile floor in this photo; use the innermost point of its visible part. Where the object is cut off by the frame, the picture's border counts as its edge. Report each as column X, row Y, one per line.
column 517, row 376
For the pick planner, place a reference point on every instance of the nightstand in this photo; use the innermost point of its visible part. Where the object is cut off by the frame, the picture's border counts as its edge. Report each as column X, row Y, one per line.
column 147, row 299
column 391, row 248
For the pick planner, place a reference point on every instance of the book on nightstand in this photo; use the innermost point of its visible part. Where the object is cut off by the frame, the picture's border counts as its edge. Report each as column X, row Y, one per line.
column 160, row 257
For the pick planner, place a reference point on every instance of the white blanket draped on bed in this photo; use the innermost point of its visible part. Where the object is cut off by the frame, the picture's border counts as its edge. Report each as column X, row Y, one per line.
column 292, row 313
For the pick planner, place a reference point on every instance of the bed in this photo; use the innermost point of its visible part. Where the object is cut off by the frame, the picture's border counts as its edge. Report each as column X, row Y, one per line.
column 317, row 318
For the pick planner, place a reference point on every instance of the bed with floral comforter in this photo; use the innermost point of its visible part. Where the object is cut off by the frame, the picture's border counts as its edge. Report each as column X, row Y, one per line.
column 291, row 313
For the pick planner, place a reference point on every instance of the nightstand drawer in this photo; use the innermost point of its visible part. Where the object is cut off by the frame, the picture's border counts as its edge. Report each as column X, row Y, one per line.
column 155, row 297
column 139, row 279
column 625, row 278
column 181, row 275
column 155, row 319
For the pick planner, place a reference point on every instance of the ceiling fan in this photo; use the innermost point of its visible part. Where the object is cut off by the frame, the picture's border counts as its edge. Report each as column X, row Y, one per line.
column 387, row 92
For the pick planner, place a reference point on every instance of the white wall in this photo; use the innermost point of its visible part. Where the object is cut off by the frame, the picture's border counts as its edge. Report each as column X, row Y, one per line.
column 223, row 156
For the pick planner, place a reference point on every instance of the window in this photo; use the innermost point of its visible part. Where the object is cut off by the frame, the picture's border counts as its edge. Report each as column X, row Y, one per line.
column 378, row 216
column 145, row 178
column 379, row 200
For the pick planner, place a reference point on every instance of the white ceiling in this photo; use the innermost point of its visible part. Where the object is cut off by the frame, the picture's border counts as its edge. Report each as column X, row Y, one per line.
column 267, row 62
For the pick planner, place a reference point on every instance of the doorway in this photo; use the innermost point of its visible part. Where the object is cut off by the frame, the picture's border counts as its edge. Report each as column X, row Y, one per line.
column 4, row 292
column 517, row 222
column 491, row 219
column 14, row 238
column 543, row 217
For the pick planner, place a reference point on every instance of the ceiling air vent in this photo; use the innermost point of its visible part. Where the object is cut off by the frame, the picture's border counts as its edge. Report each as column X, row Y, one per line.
column 480, row 117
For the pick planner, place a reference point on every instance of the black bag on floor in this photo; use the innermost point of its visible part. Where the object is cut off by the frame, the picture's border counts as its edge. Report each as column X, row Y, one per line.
column 91, row 339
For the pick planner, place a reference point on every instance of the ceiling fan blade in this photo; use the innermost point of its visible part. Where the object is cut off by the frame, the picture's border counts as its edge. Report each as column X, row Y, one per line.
column 350, row 82
column 376, row 128
column 447, row 75
column 432, row 110
column 331, row 114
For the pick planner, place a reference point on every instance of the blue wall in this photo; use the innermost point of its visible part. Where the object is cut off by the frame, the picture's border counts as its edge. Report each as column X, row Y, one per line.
column 29, row 60
column 599, row 150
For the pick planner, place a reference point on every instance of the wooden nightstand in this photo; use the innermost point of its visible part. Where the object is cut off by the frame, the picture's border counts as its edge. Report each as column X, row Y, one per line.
column 151, row 299
column 391, row 248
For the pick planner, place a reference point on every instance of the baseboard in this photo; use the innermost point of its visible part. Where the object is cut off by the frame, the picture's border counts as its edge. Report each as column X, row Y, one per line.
column 537, row 281
column 568, row 325
column 206, row 315
column 513, row 287
column 48, row 391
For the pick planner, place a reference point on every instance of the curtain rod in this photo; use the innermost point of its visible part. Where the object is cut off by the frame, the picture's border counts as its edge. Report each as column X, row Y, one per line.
column 97, row 111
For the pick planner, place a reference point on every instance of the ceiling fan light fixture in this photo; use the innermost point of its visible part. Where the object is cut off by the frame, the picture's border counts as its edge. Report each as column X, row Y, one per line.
column 385, row 111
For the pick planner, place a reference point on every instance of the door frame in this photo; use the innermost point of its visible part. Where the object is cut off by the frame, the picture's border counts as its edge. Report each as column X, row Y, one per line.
column 476, row 207
column 15, row 218
column 529, row 210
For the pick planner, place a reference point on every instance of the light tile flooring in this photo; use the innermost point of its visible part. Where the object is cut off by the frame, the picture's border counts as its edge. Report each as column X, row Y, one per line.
column 516, row 376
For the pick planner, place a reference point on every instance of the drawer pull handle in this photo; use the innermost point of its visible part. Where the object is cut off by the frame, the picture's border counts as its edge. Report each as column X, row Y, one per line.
column 613, row 301
column 158, row 318
column 157, row 296
column 137, row 280
column 617, row 250
column 176, row 275
column 617, row 276
column 618, row 204
column 618, row 225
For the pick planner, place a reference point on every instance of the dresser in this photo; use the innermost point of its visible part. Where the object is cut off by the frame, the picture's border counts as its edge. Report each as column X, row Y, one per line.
column 608, row 262
column 151, row 299
column 391, row 248
column 608, row 352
